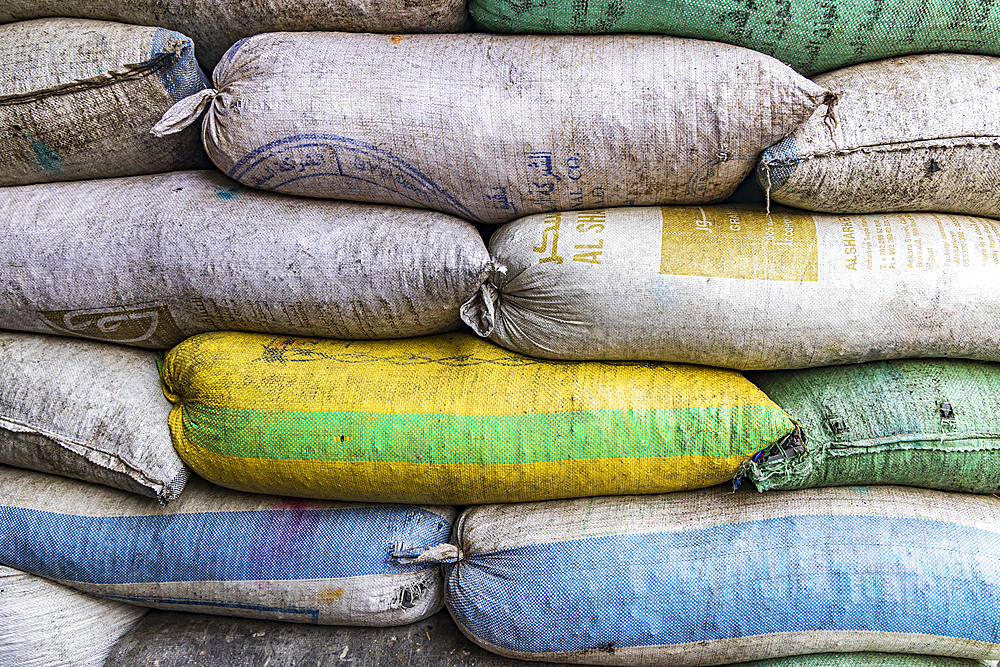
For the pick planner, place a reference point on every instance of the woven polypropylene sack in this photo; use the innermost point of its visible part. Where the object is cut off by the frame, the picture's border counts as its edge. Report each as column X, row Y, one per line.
column 45, row 624
column 742, row 288
column 215, row 25
column 810, row 36
column 77, row 98
column 87, row 410
column 710, row 577
column 221, row 552
column 425, row 420
column 491, row 127
column 151, row 260
column 932, row 423
column 920, row 133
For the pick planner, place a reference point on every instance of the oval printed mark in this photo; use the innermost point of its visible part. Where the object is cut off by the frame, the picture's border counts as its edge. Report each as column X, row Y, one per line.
column 345, row 165
column 148, row 324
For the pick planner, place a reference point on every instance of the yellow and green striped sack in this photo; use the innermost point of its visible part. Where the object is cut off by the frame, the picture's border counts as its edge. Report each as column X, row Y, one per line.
column 453, row 419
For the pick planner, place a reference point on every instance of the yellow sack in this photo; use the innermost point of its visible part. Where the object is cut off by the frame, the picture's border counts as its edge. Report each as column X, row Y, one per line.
column 453, row 419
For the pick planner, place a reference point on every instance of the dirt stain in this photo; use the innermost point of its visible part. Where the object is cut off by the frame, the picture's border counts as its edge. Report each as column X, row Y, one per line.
column 330, row 595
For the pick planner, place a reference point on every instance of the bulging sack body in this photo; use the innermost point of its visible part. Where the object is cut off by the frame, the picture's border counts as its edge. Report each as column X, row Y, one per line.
column 738, row 287
column 712, row 578
column 920, row 133
column 422, row 420
column 77, row 99
column 151, row 260
column 933, row 423
column 216, row 551
column 809, row 36
column 215, row 25
column 87, row 410
column 492, row 127
column 45, row 624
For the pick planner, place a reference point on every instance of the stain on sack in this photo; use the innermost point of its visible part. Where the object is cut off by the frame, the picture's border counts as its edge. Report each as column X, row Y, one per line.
column 330, row 595
column 47, row 158
column 286, row 537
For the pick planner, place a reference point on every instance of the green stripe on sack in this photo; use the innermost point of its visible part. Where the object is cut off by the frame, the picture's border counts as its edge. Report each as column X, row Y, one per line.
column 483, row 439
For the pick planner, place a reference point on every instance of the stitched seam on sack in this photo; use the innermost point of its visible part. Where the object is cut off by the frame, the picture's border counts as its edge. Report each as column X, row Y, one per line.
column 63, row 441
column 897, row 147
column 126, row 73
column 885, row 443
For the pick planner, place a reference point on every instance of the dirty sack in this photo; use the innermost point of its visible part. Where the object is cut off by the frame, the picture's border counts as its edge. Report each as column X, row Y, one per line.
column 77, row 98
column 216, row 551
column 742, row 287
column 422, row 420
column 494, row 127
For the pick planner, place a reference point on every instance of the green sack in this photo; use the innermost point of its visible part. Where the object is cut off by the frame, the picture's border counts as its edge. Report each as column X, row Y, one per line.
column 810, row 36
column 932, row 423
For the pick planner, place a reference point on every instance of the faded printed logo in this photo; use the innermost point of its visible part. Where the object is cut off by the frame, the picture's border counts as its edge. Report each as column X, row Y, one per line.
column 144, row 324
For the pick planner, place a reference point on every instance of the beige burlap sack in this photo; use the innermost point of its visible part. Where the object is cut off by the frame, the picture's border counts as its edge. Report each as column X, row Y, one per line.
column 920, row 133
column 45, row 624
column 215, row 25
column 77, row 98
column 87, row 410
column 493, row 127
column 151, row 260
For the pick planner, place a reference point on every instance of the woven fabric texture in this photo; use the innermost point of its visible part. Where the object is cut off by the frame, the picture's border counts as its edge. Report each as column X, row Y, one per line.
column 740, row 287
column 77, row 99
column 421, row 420
column 187, row 252
column 222, row 552
column 711, row 578
column 812, row 37
column 493, row 127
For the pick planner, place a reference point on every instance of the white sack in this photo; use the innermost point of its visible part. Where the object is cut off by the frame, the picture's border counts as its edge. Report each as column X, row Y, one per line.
column 45, row 624
column 735, row 287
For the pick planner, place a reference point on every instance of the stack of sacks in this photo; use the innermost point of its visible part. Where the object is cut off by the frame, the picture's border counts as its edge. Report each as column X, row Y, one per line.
column 556, row 134
column 145, row 259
